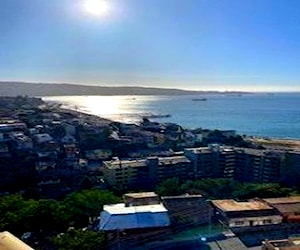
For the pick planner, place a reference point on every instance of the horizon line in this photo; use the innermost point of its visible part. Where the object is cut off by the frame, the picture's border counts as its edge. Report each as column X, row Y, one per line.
column 192, row 89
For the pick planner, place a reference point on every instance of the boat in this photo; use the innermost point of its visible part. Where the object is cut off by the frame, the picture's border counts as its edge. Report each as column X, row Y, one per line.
column 199, row 99
column 152, row 116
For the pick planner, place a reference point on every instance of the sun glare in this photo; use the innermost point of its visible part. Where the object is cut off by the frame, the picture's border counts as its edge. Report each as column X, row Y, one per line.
column 96, row 7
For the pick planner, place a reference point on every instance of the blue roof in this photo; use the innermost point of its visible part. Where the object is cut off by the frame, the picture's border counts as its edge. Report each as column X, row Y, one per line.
column 119, row 217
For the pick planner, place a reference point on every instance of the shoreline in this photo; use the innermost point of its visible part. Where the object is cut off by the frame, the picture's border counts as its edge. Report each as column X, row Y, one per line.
column 284, row 143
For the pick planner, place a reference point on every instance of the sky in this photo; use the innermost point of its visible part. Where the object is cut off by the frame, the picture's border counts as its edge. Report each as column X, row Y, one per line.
column 251, row 45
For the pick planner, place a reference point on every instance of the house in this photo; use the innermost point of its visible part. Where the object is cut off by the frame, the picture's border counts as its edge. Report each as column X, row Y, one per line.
column 251, row 213
column 4, row 149
column 42, row 138
column 21, row 141
column 70, row 150
column 45, row 165
column 68, row 139
column 98, row 154
column 289, row 207
column 11, row 125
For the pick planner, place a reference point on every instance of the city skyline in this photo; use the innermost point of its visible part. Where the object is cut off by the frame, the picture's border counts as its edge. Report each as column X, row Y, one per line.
column 197, row 45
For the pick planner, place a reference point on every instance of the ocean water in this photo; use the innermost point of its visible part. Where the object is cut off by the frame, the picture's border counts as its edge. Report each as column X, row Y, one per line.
column 270, row 115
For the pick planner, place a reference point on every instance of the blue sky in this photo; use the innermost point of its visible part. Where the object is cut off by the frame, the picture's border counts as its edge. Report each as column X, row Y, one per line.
column 190, row 44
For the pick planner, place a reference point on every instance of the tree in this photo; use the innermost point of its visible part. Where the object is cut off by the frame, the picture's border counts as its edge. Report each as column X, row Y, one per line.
column 169, row 187
column 79, row 239
column 17, row 214
column 50, row 216
column 80, row 206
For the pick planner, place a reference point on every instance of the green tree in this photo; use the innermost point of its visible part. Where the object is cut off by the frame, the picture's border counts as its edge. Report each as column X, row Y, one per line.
column 50, row 216
column 79, row 240
column 169, row 187
column 80, row 206
column 17, row 214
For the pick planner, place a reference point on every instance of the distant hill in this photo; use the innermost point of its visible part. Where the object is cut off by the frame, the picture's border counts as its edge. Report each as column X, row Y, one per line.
column 49, row 89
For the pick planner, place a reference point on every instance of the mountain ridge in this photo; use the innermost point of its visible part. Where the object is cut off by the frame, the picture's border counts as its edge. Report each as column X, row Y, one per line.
column 15, row 88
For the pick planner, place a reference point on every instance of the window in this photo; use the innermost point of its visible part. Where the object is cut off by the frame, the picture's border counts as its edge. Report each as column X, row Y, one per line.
column 239, row 223
column 267, row 221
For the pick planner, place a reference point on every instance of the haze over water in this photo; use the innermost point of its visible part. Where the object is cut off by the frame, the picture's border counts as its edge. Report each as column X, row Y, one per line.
column 275, row 115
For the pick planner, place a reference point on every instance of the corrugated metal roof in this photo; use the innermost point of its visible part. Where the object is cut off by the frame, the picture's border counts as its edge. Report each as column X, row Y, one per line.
column 119, row 217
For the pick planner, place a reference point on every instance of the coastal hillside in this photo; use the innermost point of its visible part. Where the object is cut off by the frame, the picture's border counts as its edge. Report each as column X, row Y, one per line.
column 49, row 89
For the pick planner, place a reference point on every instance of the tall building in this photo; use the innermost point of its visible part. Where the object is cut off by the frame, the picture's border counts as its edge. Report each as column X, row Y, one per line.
column 241, row 164
column 214, row 161
column 260, row 166
column 146, row 173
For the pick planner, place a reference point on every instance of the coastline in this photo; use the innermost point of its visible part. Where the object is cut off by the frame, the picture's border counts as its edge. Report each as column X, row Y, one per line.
column 268, row 142
column 276, row 143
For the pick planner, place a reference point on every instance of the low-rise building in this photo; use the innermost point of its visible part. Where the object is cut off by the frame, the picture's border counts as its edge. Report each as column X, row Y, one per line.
column 289, row 207
column 21, row 141
column 285, row 244
column 42, row 138
column 188, row 209
column 140, row 199
column 7, row 125
column 98, row 154
column 249, row 213
column 121, row 217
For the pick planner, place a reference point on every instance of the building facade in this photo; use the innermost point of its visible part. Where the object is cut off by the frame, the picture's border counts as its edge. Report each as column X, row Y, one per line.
column 146, row 173
column 249, row 213
column 241, row 164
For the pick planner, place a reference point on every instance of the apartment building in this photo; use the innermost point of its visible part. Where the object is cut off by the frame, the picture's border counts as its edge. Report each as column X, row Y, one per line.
column 214, row 161
column 242, row 164
column 146, row 173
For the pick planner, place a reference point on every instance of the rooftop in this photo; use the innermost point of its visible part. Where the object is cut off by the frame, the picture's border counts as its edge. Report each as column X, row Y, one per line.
column 144, row 162
column 173, row 160
column 283, row 200
column 120, row 208
column 233, row 206
column 141, row 195
column 184, row 196
column 126, row 163
column 120, row 217
column 288, row 244
column 251, row 151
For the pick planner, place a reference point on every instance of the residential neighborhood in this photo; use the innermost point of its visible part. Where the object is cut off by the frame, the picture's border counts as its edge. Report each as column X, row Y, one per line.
column 48, row 152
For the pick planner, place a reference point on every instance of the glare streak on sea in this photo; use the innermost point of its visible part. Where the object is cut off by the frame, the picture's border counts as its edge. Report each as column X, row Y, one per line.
column 270, row 115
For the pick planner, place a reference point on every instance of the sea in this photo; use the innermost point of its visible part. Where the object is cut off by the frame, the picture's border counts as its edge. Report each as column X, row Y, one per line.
column 274, row 115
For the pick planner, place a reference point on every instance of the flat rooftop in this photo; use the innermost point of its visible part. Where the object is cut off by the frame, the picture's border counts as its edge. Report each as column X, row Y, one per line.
column 141, row 195
column 283, row 200
column 233, row 206
column 120, row 208
column 184, row 196
column 125, row 163
column 288, row 244
column 173, row 160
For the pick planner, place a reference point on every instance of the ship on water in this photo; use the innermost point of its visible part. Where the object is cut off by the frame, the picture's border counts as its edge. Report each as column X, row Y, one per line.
column 199, row 99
